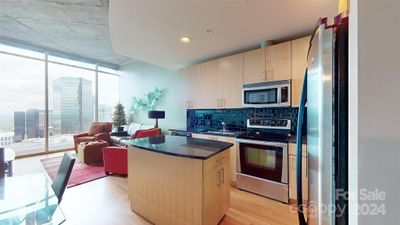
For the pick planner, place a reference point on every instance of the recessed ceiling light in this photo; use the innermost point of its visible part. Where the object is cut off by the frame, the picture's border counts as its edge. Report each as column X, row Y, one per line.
column 185, row 40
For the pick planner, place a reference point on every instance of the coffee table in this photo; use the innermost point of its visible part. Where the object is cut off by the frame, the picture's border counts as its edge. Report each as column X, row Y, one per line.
column 91, row 152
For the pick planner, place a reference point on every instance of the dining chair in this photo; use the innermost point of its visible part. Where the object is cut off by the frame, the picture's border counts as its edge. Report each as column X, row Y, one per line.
column 60, row 182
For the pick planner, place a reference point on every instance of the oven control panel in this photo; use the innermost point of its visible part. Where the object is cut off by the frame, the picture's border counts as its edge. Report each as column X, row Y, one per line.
column 282, row 124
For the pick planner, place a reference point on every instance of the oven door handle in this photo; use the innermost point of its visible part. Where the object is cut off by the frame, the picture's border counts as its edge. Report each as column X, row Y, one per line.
column 264, row 143
column 299, row 143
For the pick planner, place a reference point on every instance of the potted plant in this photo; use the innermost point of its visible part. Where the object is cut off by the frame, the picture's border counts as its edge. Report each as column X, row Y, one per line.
column 119, row 118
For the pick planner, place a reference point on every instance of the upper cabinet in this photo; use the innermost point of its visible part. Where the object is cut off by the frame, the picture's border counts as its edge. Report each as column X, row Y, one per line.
column 254, row 66
column 216, row 84
column 299, row 65
column 279, row 61
column 230, row 75
column 184, row 78
column 194, row 89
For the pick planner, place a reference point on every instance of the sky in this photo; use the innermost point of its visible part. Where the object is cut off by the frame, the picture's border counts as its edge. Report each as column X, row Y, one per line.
column 22, row 83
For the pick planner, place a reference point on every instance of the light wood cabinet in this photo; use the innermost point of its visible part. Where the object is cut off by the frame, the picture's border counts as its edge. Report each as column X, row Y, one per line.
column 299, row 65
column 232, row 151
column 279, row 61
column 254, row 70
column 172, row 190
column 216, row 83
column 293, row 171
column 195, row 86
column 216, row 188
column 230, row 75
column 209, row 85
column 184, row 79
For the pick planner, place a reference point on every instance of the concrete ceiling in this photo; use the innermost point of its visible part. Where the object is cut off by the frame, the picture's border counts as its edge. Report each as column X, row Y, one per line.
column 149, row 30
column 73, row 27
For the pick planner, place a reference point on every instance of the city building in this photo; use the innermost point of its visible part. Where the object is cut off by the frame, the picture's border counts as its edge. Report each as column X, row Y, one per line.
column 6, row 138
column 19, row 126
column 72, row 105
column 32, row 123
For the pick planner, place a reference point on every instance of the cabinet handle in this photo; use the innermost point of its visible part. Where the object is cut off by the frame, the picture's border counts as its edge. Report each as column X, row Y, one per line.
column 222, row 176
column 219, row 178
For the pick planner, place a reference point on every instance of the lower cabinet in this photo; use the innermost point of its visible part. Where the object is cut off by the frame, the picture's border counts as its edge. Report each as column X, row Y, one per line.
column 293, row 171
column 232, row 151
column 170, row 190
column 216, row 196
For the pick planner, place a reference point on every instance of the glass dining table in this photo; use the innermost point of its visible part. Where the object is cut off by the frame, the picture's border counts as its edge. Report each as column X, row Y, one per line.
column 29, row 199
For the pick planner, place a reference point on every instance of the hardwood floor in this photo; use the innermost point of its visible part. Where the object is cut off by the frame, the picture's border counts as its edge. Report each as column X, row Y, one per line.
column 105, row 201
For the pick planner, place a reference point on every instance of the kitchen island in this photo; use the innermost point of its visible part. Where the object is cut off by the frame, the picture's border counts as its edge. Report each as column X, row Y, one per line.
column 179, row 180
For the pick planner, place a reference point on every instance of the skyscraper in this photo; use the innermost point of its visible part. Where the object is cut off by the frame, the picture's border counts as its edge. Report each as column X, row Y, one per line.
column 19, row 126
column 32, row 123
column 73, row 108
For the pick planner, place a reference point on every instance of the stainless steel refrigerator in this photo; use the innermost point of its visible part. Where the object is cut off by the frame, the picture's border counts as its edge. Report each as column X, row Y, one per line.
column 324, row 112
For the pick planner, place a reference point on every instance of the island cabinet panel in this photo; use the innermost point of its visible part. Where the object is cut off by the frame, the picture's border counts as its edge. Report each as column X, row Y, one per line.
column 165, row 189
column 279, row 61
column 172, row 190
column 232, row 151
column 216, row 188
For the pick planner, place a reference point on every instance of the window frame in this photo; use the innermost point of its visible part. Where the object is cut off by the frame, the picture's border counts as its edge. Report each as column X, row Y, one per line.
column 97, row 68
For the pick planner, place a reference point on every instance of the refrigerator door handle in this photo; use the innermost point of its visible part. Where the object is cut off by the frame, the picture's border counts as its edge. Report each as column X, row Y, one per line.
column 299, row 143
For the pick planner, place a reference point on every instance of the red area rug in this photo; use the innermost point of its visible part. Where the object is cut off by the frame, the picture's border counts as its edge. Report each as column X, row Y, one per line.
column 81, row 173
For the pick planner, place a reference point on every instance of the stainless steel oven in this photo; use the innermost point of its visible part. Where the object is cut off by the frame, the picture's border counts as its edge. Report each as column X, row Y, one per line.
column 267, row 94
column 262, row 168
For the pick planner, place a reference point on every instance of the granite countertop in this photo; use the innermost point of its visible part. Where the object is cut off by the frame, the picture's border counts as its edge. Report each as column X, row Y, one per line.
column 210, row 132
column 181, row 146
column 292, row 138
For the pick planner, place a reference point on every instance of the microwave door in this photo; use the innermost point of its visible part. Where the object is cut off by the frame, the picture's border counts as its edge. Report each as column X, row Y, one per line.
column 261, row 97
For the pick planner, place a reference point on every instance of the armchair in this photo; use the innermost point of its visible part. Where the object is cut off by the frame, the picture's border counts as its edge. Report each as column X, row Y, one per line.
column 98, row 131
column 116, row 158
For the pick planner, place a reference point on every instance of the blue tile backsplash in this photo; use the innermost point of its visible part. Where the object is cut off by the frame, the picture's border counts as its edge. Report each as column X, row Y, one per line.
column 210, row 119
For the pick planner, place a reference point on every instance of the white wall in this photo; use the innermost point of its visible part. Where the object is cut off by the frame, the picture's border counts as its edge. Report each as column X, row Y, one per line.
column 138, row 78
column 374, row 106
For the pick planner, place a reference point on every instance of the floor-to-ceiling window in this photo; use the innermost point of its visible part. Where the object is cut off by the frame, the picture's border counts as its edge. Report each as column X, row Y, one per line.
column 71, row 99
column 22, row 103
column 108, row 95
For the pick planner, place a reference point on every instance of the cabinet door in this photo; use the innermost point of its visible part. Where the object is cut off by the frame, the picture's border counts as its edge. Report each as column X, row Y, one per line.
column 293, row 180
column 230, row 75
column 211, row 207
column 232, row 156
column 194, row 91
column 279, row 61
column 254, row 66
column 184, row 79
column 209, row 85
column 299, row 65
column 225, row 189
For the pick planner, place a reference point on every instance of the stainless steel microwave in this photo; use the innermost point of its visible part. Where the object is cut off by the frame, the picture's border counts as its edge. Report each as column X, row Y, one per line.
column 267, row 94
